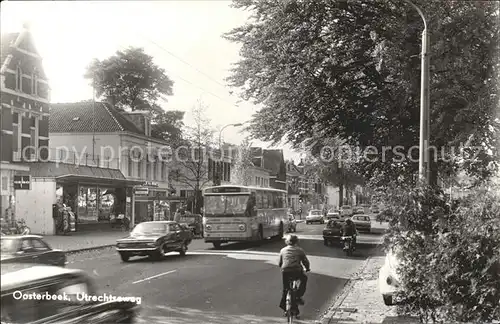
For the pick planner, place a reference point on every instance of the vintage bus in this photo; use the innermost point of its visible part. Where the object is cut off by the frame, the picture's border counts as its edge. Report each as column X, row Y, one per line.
column 239, row 213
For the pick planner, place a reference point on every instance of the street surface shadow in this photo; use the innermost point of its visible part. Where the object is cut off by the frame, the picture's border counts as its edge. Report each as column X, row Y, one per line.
column 171, row 258
column 210, row 306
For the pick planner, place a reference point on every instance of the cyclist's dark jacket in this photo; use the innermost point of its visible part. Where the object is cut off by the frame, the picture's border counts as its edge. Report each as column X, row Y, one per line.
column 292, row 258
column 349, row 230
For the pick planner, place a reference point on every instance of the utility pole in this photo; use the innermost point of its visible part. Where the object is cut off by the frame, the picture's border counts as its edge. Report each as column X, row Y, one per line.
column 93, row 116
column 424, row 160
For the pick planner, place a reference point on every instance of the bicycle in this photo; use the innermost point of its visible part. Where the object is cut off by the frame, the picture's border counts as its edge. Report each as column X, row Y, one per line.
column 291, row 299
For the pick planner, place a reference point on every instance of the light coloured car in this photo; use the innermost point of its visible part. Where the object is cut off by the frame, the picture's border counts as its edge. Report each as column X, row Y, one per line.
column 333, row 216
column 346, row 211
column 359, row 210
column 375, row 209
column 389, row 281
column 363, row 223
column 315, row 216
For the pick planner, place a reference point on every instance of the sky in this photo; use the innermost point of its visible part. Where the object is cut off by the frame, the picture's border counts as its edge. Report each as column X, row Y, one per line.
column 184, row 37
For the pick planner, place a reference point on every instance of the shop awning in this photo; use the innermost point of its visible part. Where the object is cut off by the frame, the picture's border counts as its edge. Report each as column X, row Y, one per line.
column 80, row 173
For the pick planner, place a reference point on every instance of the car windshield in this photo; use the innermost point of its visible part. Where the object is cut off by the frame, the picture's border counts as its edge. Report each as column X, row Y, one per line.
column 362, row 218
column 315, row 212
column 346, row 207
column 226, row 205
column 9, row 245
column 150, row 228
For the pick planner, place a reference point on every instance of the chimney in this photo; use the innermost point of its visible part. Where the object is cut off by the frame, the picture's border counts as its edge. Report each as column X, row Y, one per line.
column 141, row 119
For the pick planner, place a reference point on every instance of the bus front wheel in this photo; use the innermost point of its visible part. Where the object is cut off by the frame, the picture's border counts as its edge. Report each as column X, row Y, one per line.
column 217, row 244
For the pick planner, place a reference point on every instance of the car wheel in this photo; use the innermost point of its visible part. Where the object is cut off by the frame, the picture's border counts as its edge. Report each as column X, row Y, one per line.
column 125, row 257
column 307, row 223
column 183, row 249
column 387, row 300
column 325, row 242
column 217, row 245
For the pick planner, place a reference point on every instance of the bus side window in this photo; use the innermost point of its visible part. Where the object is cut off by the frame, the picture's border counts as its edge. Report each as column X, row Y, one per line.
column 259, row 199
column 265, row 200
column 285, row 201
column 279, row 202
column 275, row 200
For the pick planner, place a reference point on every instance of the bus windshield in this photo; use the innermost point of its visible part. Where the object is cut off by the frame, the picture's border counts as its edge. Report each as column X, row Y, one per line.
column 226, row 204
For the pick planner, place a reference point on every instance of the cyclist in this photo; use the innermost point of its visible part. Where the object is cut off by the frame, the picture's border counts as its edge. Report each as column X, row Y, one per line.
column 292, row 260
column 349, row 229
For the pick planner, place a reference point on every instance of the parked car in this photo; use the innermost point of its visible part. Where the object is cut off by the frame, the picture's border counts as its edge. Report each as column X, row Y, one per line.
column 315, row 216
column 389, row 282
column 358, row 210
column 24, row 278
column 375, row 209
column 346, row 211
column 30, row 249
column 332, row 232
column 333, row 215
column 362, row 222
column 155, row 239
column 194, row 222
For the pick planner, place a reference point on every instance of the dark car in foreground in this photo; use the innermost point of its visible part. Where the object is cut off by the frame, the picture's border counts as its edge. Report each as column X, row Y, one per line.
column 30, row 249
column 155, row 239
column 332, row 232
column 68, row 286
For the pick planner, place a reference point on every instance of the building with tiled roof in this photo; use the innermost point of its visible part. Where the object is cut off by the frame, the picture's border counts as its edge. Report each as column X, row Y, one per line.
column 97, row 131
column 25, row 98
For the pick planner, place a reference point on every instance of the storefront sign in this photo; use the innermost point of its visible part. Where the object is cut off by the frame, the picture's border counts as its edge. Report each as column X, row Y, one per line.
column 22, row 182
column 150, row 184
column 141, row 191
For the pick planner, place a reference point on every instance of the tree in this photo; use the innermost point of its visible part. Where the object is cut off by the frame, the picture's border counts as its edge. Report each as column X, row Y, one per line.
column 350, row 69
column 243, row 164
column 190, row 164
column 168, row 125
column 131, row 80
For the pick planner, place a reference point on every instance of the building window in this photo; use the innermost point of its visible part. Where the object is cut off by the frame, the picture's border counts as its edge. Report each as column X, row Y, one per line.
column 15, row 137
column 155, row 170
column 162, row 166
column 139, row 169
column 34, row 83
column 148, row 170
column 129, row 166
column 19, row 79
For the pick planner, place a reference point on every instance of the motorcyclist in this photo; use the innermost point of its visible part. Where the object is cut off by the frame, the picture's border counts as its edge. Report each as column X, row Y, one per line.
column 292, row 261
column 349, row 229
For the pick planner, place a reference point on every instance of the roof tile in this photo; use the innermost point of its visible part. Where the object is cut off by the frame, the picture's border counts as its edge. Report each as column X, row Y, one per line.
column 78, row 117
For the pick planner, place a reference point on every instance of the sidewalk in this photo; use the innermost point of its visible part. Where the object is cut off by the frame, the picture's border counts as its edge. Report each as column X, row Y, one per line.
column 77, row 242
column 361, row 302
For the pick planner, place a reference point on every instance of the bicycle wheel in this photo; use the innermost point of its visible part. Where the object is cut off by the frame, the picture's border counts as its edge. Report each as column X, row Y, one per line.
column 289, row 305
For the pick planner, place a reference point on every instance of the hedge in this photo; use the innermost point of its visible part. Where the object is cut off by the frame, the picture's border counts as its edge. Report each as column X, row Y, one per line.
column 450, row 253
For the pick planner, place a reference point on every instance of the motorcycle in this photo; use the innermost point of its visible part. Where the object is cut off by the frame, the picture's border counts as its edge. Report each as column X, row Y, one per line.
column 348, row 245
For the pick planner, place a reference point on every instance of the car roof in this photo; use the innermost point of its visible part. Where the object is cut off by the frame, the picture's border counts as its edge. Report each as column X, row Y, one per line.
column 361, row 215
column 17, row 274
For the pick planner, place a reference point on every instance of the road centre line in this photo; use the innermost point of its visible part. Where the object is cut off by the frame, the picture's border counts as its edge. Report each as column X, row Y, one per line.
column 156, row 276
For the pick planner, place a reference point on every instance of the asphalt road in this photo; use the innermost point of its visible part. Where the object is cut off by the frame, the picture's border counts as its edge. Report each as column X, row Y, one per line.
column 238, row 284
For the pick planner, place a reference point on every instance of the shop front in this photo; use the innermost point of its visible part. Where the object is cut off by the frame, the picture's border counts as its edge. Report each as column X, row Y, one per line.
column 97, row 203
column 152, row 203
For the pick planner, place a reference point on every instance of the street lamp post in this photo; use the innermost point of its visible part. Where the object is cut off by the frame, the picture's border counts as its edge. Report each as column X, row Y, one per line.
column 219, row 168
column 423, row 160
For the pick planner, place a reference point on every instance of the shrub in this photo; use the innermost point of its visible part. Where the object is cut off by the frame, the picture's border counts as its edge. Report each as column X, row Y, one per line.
column 450, row 253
